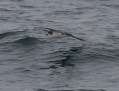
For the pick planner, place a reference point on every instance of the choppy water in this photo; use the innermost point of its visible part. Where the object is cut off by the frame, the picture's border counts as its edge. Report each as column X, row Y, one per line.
column 32, row 61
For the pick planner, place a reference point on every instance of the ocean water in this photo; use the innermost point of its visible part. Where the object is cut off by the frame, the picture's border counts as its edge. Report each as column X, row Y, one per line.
column 30, row 60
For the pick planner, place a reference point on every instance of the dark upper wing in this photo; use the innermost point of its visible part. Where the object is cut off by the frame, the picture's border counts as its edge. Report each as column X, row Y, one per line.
column 50, row 29
column 77, row 38
column 53, row 30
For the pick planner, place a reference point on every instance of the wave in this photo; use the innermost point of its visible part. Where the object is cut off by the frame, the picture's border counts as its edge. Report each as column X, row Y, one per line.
column 7, row 34
column 27, row 40
column 112, row 6
column 73, row 90
column 63, row 57
column 27, row 6
column 4, row 9
column 17, row 0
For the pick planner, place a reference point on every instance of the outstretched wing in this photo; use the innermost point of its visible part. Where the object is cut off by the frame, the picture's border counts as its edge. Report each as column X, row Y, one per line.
column 64, row 33
column 53, row 30
column 77, row 37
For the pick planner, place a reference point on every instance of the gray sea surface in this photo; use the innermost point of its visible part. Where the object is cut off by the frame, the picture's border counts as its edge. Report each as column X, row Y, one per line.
column 31, row 60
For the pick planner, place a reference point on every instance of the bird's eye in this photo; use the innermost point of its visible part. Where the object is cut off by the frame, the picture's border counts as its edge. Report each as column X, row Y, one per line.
column 50, row 32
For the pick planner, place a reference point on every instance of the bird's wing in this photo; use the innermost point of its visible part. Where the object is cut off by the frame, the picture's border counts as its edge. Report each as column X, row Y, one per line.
column 65, row 33
column 53, row 30
column 77, row 38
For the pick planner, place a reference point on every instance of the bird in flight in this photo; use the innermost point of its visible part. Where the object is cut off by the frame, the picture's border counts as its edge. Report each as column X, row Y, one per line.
column 52, row 31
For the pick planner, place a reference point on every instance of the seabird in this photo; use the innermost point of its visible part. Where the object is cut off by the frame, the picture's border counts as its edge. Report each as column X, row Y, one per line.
column 52, row 31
